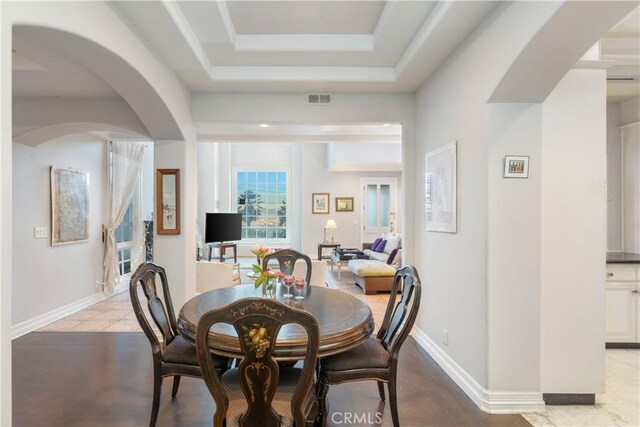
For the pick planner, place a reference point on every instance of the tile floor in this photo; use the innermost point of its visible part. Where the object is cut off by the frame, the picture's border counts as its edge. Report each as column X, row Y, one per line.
column 618, row 406
column 115, row 314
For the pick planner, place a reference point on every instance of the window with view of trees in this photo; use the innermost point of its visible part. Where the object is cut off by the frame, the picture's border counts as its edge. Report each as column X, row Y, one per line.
column 262, row 201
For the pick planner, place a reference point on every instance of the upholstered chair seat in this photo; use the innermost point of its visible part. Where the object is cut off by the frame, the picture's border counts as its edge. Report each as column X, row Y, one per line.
column 289, row 378
column 182, row 351
column 369, row 354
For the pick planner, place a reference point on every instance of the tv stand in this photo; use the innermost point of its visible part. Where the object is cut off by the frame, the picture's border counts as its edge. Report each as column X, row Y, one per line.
column 222, row 246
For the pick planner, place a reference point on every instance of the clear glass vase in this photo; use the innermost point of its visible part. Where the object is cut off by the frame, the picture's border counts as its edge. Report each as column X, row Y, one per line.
column 269, row 288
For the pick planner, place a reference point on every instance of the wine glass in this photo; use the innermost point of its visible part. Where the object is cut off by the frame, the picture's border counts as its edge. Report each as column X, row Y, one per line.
column 288, row 282
column 299, row 285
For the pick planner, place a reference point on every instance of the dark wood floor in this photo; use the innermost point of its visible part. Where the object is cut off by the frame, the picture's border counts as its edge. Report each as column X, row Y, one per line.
column 105, row 379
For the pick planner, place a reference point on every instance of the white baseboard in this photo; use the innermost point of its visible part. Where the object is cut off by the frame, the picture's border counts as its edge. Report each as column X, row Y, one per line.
column 493, row 402
column 38, row 322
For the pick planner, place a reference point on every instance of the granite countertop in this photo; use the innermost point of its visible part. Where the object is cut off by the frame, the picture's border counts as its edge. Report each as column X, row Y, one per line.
column 622, row 258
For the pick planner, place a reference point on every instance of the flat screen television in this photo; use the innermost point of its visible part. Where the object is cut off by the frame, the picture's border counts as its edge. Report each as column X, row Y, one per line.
column 223, row 227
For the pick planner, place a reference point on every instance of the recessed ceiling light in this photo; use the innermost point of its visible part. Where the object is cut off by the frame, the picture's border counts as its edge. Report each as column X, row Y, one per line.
column 386, row 124
column 264, row 125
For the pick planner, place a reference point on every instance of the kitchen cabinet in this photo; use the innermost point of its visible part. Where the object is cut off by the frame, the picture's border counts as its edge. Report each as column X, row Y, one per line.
column 623, row 304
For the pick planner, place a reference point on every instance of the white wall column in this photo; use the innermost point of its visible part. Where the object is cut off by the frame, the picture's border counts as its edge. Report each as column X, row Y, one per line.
column 513, row 254
column 176, row 253
column 574, row 239
column 5, row 217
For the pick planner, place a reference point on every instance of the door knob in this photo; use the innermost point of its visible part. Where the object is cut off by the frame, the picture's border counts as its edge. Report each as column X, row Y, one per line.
column 635, row 291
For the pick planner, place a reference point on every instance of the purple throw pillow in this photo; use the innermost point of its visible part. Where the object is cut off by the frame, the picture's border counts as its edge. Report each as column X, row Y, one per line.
column 380, row 246
column 376, row 243
column 392, row 256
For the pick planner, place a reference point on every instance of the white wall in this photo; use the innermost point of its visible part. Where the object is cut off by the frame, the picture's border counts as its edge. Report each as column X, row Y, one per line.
column 344, row 108
column 452, row 106
column 574, row 237
column 629, row 111
column 176, row 253
column 482, row 288
column 307, row 163
column 5, row 215
column 513, row 249
column 48, row 277
column 316, row 179
column 631, row 193
column 148, row 183
column 614, row 179
column 618, row 114
column 358, row 157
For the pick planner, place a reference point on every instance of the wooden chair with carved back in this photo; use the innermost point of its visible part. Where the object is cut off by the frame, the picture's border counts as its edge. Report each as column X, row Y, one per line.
column 287, row 260
column 259, row 392
column 377, row 358
column 173, row 356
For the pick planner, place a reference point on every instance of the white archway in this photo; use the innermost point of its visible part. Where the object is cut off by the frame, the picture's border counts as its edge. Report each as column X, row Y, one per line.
column 94, row 35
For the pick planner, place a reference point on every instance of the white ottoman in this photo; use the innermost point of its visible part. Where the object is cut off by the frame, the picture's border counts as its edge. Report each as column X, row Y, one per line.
column 372, row 275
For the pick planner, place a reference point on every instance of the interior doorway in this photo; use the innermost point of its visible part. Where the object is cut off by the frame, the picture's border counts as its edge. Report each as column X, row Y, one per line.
column 379, row 206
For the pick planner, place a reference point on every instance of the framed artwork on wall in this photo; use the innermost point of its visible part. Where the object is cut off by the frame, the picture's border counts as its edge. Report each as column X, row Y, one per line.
column 440, row 189
column 516, row 166
column 69, row 206
column 320, row 203
column 168, row 201
column 344, row 204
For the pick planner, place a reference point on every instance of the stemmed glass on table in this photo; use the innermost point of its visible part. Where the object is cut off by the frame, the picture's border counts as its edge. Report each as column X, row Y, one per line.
column 288, row 282
column 299, row 285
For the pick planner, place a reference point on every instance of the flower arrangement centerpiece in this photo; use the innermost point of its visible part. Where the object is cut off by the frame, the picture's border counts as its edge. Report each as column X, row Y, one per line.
column 260, row 251
column 266, row 279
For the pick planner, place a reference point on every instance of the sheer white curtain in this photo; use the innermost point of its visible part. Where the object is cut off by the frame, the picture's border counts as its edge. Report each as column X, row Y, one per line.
column 126, row 161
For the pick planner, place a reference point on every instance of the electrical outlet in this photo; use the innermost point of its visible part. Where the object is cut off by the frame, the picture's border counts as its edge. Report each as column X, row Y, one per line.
column 98, row 284
column 445, row 337
column 40, row 232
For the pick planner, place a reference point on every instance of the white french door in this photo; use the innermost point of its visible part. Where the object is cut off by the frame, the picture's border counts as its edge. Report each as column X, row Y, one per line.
column 379, row 205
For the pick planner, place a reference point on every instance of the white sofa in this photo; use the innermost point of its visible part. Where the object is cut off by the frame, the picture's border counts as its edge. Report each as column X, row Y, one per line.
column 394, row 240
column 214, row 275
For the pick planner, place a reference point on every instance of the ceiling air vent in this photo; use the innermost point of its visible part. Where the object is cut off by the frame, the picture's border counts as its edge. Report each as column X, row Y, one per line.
column 318, row 99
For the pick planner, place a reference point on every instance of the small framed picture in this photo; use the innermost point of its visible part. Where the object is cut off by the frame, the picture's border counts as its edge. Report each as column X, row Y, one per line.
column 516, row 167
column 344, row 204
column 168, row 201
column 320, row 203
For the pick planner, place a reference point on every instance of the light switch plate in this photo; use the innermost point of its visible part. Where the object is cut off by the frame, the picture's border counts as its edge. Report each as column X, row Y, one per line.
column 40, row 232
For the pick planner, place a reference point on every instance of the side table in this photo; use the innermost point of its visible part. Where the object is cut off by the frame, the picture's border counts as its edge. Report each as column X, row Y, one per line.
column 223, row 250
column 322, row 246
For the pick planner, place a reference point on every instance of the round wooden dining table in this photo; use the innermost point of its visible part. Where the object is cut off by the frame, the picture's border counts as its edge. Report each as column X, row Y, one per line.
column 344, row 321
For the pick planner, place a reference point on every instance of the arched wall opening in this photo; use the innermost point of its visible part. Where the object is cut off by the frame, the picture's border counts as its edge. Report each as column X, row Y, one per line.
column 123, row 77
column 96, row 37
column 485, row 287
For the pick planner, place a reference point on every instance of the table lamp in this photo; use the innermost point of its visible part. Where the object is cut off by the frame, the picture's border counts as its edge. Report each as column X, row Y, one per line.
column 331, row 225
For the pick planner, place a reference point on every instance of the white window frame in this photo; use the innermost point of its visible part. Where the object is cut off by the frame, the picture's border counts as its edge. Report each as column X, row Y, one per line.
column 234, row 201
column 136, row 202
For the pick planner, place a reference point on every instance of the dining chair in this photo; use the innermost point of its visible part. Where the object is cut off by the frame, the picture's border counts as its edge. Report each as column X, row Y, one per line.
column 174, row 356
column 287, row 260
column 259, row 392
column 377, row 358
